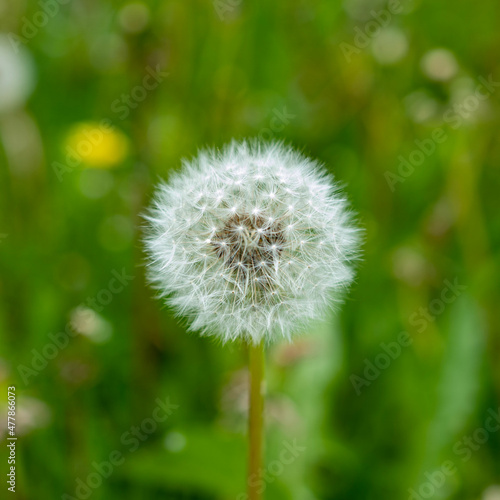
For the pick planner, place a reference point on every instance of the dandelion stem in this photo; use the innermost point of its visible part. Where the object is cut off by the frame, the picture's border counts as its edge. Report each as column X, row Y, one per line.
column 255, row 419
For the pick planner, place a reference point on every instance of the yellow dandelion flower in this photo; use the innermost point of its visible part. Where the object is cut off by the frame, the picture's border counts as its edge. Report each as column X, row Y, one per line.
column 97, row 145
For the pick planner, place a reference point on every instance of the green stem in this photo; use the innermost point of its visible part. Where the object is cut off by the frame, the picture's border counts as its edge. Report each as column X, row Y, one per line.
column 255, row 419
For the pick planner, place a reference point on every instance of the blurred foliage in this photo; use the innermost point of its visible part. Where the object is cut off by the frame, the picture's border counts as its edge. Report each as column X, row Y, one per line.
column 98, row 100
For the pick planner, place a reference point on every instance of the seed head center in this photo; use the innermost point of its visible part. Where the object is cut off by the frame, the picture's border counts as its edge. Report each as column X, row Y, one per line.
column 249, row 241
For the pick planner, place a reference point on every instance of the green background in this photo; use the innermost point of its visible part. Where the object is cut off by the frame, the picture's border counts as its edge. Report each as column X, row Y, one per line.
column 278, row 70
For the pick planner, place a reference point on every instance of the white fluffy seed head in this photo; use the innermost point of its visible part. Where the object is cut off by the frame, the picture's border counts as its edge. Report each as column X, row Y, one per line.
column 250, row 243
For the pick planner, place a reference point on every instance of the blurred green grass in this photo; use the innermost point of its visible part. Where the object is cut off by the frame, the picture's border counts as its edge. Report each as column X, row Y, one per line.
column 275, row 70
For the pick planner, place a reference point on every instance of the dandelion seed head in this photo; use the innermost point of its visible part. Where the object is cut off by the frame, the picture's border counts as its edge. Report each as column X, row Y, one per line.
column 255, row 249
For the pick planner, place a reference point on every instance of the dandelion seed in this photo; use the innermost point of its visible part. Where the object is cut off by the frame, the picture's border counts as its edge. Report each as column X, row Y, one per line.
column 224, row 282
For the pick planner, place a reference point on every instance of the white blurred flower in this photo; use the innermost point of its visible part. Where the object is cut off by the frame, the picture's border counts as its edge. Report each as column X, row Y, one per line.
column 362, row 10
column 492, row 493
column 410, row 266
column 420, row 106
column 16, row 75
column 251, row 242
column 175, row 442
column 465, row 103
column 390, row 46
column 31, row 413
column 134, row 17
column 87, row 322
column 439, row 64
